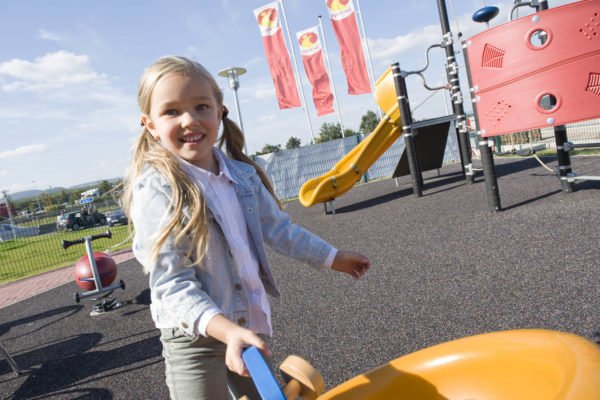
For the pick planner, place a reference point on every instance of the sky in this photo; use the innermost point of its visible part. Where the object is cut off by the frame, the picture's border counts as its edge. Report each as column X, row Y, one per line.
column 69, row 71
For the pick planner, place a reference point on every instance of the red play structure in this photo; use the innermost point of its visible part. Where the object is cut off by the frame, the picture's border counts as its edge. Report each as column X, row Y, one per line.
column 539, row 71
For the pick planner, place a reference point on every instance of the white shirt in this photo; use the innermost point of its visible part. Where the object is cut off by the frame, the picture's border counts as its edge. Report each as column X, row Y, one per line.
column 219, row 188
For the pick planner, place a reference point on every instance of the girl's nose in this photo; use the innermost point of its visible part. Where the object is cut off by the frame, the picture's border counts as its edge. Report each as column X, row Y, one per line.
column 189, row 119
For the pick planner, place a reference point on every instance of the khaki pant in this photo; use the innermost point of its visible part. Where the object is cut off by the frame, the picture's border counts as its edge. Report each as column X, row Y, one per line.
column 196, row 370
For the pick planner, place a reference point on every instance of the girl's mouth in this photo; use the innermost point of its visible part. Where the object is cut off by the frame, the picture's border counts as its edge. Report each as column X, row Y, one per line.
column 192, row 138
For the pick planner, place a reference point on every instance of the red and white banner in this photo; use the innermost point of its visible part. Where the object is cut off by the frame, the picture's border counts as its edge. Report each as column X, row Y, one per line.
column 278, row 57
column 343, row 19
column 312, row 58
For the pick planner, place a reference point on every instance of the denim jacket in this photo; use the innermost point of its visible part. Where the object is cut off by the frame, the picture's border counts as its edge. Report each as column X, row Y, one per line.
column 181, row 293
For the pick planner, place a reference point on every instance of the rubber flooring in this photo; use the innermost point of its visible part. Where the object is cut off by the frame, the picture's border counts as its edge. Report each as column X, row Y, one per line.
column 443, row 267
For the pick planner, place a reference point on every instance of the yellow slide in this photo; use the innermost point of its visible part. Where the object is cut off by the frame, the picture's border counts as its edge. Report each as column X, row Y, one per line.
column 342, row 177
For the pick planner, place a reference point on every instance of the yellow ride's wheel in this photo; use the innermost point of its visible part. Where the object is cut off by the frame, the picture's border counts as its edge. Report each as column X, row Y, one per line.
column 302, row 379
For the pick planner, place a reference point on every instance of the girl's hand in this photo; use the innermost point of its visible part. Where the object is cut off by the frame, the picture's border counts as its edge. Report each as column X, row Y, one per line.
column 237, row 339
column 351, row 263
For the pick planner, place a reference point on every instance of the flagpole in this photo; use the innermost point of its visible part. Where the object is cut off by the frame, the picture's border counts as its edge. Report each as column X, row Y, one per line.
column 287, row 30
column 362, row 25
column 326, row 54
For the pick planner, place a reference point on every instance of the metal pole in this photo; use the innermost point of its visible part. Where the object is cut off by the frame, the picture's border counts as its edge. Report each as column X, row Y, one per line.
column 233, row 75
column 366, row 46
column 446, row 99
column 239, row 117
column 456, row 95
column 37, row 199
column 337, row 106
column 299, row 83
column 560, row 136
column 92, row 261
column 10, row 216
column 11, row 361
column 487, row 158
column 406, row 120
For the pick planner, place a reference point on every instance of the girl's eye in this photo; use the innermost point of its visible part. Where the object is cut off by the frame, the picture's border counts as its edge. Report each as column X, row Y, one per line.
column 201, row 107
column 171, row 112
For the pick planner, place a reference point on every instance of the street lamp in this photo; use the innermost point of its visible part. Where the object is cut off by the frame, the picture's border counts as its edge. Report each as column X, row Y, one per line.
column 36, row 197
column 233, row 73
column 10, row 215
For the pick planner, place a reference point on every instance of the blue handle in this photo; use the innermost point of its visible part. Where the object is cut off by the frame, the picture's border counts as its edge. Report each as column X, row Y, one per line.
column 485, row 14
column 261, row 374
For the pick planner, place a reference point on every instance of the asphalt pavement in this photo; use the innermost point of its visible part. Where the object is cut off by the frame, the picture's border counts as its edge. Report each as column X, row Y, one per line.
column 443, row 267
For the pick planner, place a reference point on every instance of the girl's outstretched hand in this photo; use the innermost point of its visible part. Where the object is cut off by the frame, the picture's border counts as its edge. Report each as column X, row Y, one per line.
column 352, row 263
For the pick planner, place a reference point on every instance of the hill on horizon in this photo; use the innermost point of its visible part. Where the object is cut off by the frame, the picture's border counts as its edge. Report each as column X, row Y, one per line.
column 32, row 193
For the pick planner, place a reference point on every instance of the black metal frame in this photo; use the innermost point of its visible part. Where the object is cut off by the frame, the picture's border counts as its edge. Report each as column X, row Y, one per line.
column 462, row 131
column 407, row 131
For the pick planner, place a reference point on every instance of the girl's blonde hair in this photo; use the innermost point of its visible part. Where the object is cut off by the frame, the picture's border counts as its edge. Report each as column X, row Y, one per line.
column 185, row 193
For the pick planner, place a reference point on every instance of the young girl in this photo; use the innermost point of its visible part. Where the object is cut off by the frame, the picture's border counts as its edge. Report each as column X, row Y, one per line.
column 201, row 219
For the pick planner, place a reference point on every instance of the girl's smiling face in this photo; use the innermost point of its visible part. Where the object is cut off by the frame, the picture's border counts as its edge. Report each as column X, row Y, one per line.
column 185, row 116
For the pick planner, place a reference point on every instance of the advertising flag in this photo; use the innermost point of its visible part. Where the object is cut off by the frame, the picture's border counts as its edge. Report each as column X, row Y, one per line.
column 343, row 19
column 278, row 57
column 312, row 58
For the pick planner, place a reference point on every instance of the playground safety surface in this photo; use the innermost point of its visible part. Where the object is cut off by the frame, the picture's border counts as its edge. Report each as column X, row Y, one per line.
column 444, row 267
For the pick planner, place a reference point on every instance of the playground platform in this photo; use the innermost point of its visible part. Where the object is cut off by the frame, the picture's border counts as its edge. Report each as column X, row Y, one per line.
column 444, row 267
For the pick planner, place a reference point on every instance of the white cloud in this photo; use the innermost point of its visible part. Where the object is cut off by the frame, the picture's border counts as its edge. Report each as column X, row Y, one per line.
column 391, row 49
column 264, row 93
column 49, row 72
column 266, row 118
column 24, row 151
column 51, row 36
column 254, row 61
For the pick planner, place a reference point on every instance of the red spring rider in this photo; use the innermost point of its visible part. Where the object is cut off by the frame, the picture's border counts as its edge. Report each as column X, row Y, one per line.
column 84, row 275
column 94, row 273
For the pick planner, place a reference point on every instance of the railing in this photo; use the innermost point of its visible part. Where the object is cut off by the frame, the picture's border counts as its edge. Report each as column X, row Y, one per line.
column 542, row 140
column 37, row 247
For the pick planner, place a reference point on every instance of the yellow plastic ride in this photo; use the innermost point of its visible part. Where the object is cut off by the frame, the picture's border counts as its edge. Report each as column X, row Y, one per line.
column 529, row 364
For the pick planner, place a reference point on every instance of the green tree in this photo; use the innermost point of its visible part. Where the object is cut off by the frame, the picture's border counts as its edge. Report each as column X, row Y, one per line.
column 74, row 196
column 64, row 196
column 46, row 200
column 293, row 143
column 268, row 148
column 104, row 186
column 368, row 122
column 349, row 132
column 329, row 131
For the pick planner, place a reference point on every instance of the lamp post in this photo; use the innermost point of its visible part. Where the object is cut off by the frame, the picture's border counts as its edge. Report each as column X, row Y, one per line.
column 37, row 198
column 10, row 216
column 233, row 74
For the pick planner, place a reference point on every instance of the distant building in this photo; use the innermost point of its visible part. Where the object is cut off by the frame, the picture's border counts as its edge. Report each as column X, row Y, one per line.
column 4, row 210
column 90, row 193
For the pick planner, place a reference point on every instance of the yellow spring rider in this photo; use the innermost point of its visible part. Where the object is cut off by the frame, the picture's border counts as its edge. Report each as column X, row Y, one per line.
column 530, row 364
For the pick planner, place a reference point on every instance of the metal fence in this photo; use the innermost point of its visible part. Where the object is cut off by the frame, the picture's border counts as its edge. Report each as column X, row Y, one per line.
column 289, row 169
column 542, row 140
column 38, row 243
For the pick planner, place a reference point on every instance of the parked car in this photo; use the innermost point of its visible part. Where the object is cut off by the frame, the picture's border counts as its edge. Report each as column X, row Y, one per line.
column 8, row 233
column 78, row 220
column 116, row 217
